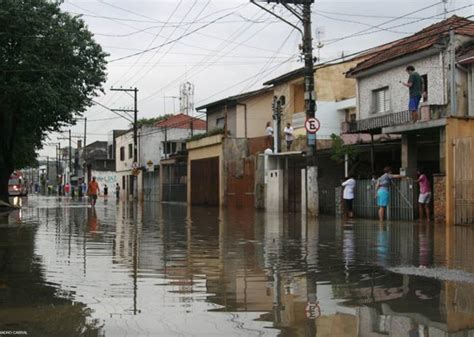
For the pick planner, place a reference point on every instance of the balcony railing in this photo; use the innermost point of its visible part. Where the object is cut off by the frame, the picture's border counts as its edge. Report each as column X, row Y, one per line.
column 427, row 112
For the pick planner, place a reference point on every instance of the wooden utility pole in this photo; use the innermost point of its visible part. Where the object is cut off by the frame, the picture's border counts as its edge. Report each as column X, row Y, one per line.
column 301, row 9
column 135, row 130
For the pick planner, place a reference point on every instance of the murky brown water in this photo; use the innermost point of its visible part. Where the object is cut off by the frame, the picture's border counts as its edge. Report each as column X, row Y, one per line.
column 167, row 270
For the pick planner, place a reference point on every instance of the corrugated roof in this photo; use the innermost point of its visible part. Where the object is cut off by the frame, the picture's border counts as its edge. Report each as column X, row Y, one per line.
column 419, row 41
column 182, row 121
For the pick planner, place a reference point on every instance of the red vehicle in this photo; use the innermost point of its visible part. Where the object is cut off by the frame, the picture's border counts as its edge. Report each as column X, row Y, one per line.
column 17, row 184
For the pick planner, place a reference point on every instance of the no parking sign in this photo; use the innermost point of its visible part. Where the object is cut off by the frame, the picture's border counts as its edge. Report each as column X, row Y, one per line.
column 312, row 125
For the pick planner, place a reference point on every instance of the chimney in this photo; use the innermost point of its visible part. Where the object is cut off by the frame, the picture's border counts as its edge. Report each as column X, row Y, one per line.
column 79, row 143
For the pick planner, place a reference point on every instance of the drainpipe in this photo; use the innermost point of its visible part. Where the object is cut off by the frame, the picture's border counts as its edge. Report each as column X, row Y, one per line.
column 452, row 66
column 245, row 117
column 346, row 165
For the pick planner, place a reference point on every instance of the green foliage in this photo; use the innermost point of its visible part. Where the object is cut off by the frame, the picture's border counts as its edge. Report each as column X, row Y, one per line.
column 213, row 132
column 340, row 150
column 50, row 69
column 151, row 121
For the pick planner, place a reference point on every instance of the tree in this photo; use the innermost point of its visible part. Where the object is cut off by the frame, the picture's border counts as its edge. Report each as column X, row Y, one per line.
column 340, row 151
column 151, row 121
column 50, row 69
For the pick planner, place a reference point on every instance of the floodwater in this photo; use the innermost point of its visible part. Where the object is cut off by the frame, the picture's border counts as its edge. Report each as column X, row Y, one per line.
column 168, row 270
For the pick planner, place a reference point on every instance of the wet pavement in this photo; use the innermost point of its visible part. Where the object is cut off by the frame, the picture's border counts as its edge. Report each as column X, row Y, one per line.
column 169, row 270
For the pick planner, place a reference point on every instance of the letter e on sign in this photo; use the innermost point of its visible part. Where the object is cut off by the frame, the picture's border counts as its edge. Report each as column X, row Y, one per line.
column 312, row 125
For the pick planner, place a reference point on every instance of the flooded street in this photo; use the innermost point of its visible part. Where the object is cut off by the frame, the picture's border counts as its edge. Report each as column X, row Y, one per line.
column 169, row 270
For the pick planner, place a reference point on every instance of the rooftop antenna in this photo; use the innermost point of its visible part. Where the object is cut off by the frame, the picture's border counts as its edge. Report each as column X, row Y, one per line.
column 319, row 36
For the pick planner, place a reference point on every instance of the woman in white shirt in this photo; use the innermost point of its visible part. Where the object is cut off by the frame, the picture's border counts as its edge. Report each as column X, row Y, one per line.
column 269, row 131
column 348, row 195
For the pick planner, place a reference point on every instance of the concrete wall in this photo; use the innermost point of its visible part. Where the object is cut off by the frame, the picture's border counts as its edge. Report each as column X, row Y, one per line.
column 105, row 177
column 332, row 89
column 214, row 114
column 208, row 147
column 432, row 66
column 259, row 112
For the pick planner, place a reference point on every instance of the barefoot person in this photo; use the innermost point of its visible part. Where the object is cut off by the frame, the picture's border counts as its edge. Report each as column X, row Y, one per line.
column 348, row 195
column 415, row 87
column 424, row 198
column 383, row 190
column 93, row 191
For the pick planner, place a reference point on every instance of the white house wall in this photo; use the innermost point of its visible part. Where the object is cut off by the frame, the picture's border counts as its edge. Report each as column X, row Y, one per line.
column 432, row 66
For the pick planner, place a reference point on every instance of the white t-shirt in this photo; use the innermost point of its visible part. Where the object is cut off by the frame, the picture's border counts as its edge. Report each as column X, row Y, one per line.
column 349, row 186
column 289, row 134
column 269, row 131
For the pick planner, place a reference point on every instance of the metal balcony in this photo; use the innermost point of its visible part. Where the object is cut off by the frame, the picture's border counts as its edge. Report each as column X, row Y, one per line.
column 376, row 124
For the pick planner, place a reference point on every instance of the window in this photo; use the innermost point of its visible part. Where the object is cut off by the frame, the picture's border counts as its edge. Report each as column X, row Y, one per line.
column 111, row 152
column 425, row 87
column 123, row 182
column 381, row 100
column 220, row 122
column 130, row 151
column 122, row 153
column 170, row 147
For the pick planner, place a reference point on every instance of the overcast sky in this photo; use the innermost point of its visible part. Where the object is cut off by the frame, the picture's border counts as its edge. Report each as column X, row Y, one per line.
column 225, row 47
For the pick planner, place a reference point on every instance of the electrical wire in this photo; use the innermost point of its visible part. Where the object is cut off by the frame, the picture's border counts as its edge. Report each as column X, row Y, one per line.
column 169, row 42
column 172, row 33
column 212, row 57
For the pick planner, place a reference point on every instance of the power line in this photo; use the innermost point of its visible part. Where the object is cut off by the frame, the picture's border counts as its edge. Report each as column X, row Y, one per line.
column 169, row 42
column 212, row 57
column 383, row 24
column 396, row 26
column 172, row 33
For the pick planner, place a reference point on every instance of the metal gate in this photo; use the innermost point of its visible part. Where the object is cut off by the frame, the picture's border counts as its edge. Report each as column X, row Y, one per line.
column 205, row 182
column 151, row 186
column 292, row 199
column 402, row 204
column 241, row 183
column 463, row 181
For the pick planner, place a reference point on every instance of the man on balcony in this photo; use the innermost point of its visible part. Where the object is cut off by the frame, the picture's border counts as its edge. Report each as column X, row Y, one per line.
column 415, row 87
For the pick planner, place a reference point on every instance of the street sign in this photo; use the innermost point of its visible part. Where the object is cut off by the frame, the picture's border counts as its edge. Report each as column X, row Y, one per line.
column 313, row 311
column 312, row 125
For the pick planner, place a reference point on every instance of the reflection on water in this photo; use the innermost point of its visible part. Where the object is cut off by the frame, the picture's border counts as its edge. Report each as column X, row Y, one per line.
column 168, row 270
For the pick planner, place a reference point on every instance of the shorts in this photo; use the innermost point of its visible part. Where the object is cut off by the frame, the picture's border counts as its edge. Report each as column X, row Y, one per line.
column 383, row 197
column 424, row 198
column 414, row 103
column 348, row 203
column 93, row 196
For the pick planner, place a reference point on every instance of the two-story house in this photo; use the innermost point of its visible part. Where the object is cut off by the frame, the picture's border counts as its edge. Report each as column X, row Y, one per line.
column 126, row 173
column 441, row 141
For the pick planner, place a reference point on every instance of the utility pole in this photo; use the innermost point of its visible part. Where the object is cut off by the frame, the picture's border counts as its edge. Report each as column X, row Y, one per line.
column 135, row 130
column 302, row 11
column 276, row 107
column 70, row 157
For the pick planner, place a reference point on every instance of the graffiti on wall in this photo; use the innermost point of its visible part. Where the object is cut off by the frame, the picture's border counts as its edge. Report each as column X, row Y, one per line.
column 107, row 177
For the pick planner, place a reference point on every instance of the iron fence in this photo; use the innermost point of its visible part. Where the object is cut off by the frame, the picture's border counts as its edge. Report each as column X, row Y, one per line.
column 402, row 204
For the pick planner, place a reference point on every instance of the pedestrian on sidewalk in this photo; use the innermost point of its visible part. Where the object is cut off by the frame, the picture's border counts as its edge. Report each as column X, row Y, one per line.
column 348, row 195
column 289, row 137
column 415, row 88
column 93, row 191
column 424, row 198
column 382, row 189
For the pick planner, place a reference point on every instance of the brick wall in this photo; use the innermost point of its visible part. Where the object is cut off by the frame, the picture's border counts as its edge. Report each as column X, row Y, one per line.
column 439, row 198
